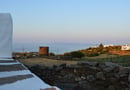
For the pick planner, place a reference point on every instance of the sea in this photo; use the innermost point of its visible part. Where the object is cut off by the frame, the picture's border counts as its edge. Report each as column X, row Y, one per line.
column 56, row 48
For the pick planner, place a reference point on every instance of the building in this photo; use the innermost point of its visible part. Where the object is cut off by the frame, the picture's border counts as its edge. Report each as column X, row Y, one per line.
column 109, row 45
column 125, row 47
column 44, row 51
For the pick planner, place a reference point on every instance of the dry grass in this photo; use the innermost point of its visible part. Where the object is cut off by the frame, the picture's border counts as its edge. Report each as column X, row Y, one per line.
column 44, row 61
column 121, row 53
column 101, row 56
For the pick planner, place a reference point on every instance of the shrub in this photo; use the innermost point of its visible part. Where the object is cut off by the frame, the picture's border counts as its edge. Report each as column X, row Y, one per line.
column 93, row 54
column 51, row 54
column 77, row 54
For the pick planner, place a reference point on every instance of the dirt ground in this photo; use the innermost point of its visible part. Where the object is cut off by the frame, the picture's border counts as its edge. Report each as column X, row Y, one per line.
column 44, row 61
column 50, row 62
column 101, row 56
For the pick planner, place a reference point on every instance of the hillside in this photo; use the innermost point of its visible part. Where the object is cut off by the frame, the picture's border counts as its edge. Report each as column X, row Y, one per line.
column 96, row 51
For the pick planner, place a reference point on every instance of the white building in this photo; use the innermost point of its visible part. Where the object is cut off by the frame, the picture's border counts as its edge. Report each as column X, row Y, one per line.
column 125, row 47
column 108, row 45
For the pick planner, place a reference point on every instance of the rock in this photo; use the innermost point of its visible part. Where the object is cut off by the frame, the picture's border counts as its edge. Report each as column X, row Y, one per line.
column 95, row 68
column 84, row 84
column 113, row 80
column 58, row 68
column 100, row 75
column 109, row 66
column 75, row 71
column 101, row 65
column 117, row 76
column 38, row 67
column 83, row 78
column 63, row 65
column 91, row 78
column 87, row 63
column 124, row 72
column 69, row 78
column 78, row 88
column 129, row 78
column 127, row 88
column 123, row 82
column 86, row 76
column 78, row 79
column 111, row 87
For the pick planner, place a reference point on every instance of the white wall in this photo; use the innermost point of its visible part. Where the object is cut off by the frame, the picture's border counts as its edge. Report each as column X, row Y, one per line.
column 5, row 36
column 125, row 47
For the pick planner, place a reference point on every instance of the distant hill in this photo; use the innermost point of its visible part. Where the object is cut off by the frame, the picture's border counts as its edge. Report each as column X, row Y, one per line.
column 96, row 51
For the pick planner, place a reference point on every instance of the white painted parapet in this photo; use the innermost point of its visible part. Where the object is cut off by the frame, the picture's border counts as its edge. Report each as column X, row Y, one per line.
column 6, row 27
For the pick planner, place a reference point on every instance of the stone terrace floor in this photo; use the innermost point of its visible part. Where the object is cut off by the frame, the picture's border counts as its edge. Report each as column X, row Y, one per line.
column 15, row 76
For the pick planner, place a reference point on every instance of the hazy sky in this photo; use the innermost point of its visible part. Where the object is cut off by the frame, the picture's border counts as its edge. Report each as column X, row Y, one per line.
column 76, row 21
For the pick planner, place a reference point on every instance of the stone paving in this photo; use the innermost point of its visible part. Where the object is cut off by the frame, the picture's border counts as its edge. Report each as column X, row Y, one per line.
column 14, row 67
column 12, row 79
column 9, row 66
column 12, row 71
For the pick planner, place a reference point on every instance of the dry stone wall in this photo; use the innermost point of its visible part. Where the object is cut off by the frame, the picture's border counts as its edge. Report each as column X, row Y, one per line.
column 86, row 76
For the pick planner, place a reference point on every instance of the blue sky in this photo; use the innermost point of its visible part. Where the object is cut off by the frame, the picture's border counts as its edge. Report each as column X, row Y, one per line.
column 69, row 21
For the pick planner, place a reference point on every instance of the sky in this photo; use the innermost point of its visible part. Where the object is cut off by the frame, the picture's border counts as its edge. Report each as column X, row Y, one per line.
column 69, row 21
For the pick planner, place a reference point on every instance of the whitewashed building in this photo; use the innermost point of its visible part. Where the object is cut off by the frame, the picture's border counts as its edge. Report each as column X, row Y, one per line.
column 125, row 47
column 108, row 45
